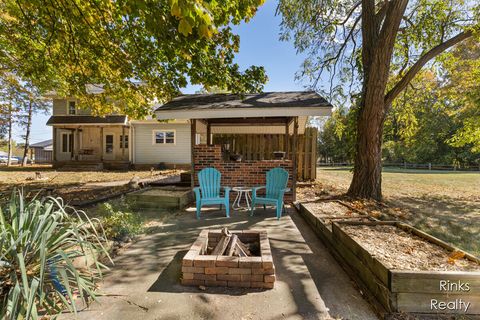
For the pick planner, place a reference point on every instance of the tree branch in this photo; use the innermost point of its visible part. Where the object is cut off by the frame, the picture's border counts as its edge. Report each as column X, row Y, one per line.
column 417, row 66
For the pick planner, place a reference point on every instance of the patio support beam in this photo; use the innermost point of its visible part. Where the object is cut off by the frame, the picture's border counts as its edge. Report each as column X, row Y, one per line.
column 287, row 137
column 101, row 143
column 122, row 141
column 209, row 134
column 193, row 129
column 55, row 149
column 294, row 158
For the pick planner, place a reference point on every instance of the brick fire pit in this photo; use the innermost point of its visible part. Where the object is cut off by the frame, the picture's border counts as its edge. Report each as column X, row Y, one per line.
column 258, row 271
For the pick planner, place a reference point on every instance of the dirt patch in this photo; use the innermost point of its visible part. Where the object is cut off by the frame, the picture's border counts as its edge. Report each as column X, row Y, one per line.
column 400, row 250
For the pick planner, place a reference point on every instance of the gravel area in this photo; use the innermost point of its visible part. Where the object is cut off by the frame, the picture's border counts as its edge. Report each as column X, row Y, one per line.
column 400, row 250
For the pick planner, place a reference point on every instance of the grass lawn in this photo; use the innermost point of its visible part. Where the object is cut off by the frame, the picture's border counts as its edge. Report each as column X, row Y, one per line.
column 444, row 204
column 23, row 176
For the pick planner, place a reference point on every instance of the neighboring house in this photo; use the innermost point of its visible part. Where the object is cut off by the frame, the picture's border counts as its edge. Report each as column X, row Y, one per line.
column 42, row 152
column 114, row 141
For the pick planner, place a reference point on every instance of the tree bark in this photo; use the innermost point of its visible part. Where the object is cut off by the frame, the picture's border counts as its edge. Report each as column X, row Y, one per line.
column 367, row 172
column 377, row 51
column 27, row 134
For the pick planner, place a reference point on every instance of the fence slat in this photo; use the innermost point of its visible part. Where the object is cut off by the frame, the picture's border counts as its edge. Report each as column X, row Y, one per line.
column 262, row 146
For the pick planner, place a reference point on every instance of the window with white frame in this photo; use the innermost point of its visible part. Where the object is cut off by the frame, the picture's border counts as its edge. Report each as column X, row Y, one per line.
column 164, row 136
column 72, row 108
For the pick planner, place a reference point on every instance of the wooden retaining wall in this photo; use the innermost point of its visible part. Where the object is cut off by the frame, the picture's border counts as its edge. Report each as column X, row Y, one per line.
column 401, row 291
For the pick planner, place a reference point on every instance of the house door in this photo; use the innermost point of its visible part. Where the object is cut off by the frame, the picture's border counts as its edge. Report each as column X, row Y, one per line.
column 109, row 146
column 65, row 145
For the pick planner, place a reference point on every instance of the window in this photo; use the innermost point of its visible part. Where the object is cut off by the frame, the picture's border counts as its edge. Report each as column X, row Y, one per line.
column 72, row 108
column 67, row 142
column 109, row 143
column 164, row 137
column 124, row 141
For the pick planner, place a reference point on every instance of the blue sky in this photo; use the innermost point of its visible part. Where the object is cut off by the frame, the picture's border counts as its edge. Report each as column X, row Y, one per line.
column 259, row 45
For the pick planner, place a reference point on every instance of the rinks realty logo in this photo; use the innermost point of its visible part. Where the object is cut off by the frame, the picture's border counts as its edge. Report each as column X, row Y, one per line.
column 455, row 305
column 452, row 305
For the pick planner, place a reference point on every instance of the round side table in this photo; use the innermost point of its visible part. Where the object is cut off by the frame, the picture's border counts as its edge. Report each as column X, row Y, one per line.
column 245, row 192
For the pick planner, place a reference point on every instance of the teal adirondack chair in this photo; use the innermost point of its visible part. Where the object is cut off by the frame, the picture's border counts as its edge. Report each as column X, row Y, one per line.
column 276, row 186
column 209, row 190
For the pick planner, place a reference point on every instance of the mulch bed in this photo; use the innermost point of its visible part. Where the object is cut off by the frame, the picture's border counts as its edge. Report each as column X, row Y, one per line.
column 400, row 250
column 330, row 209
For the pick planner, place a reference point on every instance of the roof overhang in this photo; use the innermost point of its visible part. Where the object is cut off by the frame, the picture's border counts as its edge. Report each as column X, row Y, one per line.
column 77, row 120
column 244, row 113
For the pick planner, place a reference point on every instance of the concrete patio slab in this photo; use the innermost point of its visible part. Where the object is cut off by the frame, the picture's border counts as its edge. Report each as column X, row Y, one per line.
column 144, row 283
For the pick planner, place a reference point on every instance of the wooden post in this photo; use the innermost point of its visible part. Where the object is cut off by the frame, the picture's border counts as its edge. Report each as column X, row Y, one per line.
column 122, row 140
column 193, row 129
column 294, row 158
column 209, row 134
column 54, row 144
column 287, row 137
column 101, row 143
column 314, row 153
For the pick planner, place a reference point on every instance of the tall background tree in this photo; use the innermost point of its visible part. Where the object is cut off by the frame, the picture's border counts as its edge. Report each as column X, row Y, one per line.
column 136, row 51
column 10, row 99
column 375, row 48
column 29, row 102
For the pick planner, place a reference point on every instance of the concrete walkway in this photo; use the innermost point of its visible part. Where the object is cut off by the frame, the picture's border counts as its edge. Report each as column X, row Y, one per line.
column 144, row 283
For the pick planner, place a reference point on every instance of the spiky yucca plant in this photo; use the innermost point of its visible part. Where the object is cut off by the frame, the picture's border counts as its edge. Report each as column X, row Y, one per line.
column 39, row 240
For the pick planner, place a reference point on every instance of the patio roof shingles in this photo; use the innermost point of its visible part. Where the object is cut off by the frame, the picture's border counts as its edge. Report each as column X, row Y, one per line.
column 292, row 99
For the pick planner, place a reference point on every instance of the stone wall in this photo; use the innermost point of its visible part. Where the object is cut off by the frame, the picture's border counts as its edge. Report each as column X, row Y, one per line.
column 247, row 173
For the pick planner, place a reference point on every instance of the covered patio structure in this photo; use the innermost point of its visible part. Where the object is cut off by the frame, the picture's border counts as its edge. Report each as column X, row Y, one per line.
column 279, row 113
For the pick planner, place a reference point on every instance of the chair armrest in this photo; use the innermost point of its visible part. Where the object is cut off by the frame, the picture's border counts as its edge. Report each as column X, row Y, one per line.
column 197, row 192
column 227, row 190
column 255, row 189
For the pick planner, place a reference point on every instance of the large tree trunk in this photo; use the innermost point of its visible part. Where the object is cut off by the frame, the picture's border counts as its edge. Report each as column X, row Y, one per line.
column 27, row 134
column 377, row 49
column 367, row 172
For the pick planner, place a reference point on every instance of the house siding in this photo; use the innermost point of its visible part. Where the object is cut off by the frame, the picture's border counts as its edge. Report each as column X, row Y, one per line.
column 146, row 152
column 60, row 107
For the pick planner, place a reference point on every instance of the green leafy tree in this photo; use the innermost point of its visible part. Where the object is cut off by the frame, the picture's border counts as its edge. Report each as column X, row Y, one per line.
column 31, row 102
column 374, row 48
column 463, row 91
column 135, row 50
column 334, row 138
column 10, row 93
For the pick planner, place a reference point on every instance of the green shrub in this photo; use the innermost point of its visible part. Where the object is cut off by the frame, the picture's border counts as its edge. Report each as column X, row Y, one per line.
column 39, row 242
column 120, row 223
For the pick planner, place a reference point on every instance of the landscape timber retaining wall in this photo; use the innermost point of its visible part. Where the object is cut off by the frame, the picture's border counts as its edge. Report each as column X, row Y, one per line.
column 405, row 290
column 401, row 291
column 323, row 228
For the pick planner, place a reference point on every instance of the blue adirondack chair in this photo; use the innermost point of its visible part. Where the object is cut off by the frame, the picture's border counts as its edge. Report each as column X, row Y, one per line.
column 209, row 190
column 276, row 186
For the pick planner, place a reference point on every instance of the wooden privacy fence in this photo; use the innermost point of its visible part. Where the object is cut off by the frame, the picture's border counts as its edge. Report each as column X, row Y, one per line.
column 262, row 146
